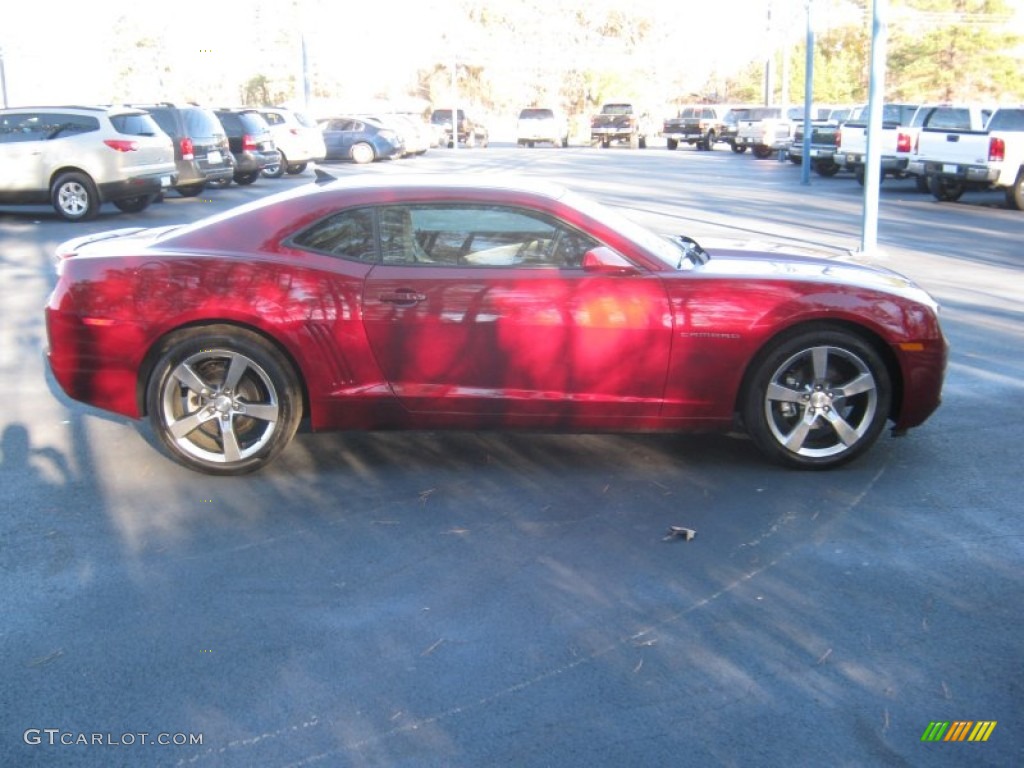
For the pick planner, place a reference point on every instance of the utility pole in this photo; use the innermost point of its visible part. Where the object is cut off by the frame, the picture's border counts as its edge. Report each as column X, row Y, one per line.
column 3, row 79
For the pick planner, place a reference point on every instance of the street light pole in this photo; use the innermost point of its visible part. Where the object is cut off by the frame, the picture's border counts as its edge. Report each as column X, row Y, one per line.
column 805, row 166
column 873, row 158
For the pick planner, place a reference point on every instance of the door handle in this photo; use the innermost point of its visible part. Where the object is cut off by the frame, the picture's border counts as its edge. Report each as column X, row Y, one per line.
column 402, row 298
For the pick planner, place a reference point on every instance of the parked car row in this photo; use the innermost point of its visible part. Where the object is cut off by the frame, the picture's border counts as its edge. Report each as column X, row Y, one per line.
column 77, row 158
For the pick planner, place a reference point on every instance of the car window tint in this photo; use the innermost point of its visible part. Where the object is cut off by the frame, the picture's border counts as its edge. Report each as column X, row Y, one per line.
column 199, row 122
column 348, row 234
column 165, row 120
column 135, row 125
column 44, row 126
column 272, row 118
column 478, row 236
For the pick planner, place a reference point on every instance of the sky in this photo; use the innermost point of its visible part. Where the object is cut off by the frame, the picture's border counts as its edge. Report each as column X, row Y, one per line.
column 60, row 51
column 69, row 51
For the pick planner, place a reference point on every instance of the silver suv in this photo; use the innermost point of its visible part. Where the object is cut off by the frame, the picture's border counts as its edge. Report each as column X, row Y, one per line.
column 77, row 158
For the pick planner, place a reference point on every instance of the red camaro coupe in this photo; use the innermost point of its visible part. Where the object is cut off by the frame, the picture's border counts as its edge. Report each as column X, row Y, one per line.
column 434, row 303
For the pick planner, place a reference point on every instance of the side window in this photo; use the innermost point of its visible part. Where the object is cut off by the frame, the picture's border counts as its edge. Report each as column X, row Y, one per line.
column 348, row 234
column 478, row 236
column 19, row 127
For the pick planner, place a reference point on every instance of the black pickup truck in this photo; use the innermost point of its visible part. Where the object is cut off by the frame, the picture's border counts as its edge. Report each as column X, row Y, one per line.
column 825, row 127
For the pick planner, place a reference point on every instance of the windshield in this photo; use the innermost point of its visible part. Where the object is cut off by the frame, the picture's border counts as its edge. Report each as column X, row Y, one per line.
column 666, row 250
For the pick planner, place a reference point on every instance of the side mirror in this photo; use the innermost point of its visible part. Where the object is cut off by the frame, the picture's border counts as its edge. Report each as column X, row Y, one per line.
column 603, row 260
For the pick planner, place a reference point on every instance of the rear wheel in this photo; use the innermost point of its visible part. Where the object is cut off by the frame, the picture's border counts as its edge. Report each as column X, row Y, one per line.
column 223, row 400
column 246, row 178
column 762, row 152
column 826, row 167
column 189, row 190
column 296, row 169
column 362, row 153
column 672, row 143
column 739, row 149
column 1015, row 194
column 817, row 399
column 945, row 190
column 74, row 197
column 709, row 141
column 134, row 204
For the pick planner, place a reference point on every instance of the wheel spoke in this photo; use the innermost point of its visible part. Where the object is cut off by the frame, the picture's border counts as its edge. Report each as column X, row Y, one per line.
column 184, row 427
column 845, row 432
column 795, row 440
column 238, row 366
column 819, row 360
column 863, row 383
column 778, row 393
column 232, row 452
column 263, row 412
column 189, row 378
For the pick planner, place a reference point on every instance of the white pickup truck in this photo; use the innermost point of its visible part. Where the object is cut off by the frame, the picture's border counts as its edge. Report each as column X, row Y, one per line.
column 957, row 160
column 766, row 130
column 897, row 141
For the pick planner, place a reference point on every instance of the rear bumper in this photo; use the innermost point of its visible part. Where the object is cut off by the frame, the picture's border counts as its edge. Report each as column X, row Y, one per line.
column 134, row 187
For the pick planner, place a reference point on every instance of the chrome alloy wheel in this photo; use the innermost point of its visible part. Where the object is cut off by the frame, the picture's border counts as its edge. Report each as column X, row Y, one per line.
column 73, row 199
column 821, row 402
column 219, row 406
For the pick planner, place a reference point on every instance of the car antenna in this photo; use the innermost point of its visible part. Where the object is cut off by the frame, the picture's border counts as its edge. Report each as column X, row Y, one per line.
column 323, row 177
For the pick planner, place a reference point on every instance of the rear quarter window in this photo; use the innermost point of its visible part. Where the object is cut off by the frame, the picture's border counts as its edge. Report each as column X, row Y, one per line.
column 44, row 126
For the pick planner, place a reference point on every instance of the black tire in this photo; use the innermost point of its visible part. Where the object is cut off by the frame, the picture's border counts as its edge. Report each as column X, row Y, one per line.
column 244, row 179
column 796, row 159
column 295, row 170
column 945, row 190
column 74, row 197
column 921, row 183
column 1015, row 194
column 135, row 204
column 817, row 398
column 709, row 141
column 222, row 400
column 761, row 152
column 565, row 142
column 826, row 168
column 605, row 143
column 672, row 143
column 739, row 149
column 189, row 190
column 860, row 174
column 641, row 142
column 277, row 170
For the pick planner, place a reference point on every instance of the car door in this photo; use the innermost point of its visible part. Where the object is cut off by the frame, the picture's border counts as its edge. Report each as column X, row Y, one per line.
column 487, row 309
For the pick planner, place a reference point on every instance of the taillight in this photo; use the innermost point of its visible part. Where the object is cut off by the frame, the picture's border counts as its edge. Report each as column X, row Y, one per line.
column 996, row 149
column 188, row 149
column 839, row 139
column 294, row 131
column 122, row 145
column 249, row 143
column 902, row 142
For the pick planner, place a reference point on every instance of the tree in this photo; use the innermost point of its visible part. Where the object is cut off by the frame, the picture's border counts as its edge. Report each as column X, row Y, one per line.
column 954, row 50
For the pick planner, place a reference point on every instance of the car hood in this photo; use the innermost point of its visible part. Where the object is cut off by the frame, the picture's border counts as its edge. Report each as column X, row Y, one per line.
column 733, row 262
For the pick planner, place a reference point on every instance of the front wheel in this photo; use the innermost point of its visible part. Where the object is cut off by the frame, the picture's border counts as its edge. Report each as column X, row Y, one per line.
column 739, row 149
column 817, row 399
column 761, row 152
column 276, row 171
column 223, row 400
column 709, row 141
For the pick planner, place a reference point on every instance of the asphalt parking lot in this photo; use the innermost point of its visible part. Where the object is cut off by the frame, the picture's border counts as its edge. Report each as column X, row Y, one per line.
column 491, row 599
